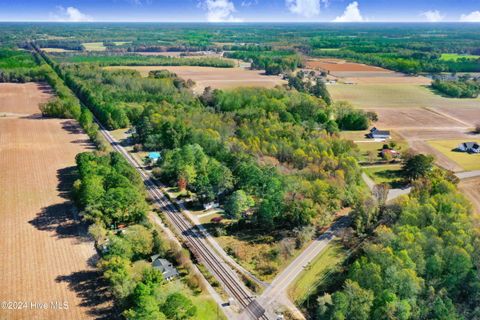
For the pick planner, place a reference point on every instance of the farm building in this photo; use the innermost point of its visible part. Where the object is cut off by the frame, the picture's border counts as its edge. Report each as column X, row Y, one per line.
column 389, row 153
column 470, row 147
column 164, row 266
column 379, row 134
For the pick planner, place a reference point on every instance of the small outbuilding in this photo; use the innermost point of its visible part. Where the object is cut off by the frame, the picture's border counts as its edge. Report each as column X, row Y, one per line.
column 165, row 267
column 154, row 156
column 470, row 147
column 379, row 134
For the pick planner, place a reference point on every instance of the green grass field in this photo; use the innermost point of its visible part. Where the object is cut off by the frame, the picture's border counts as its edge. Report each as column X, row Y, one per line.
column 390, row 174
column 333, row 255
column 456, row 56
column 94, row 46
column 370, row 96
column 465, row 160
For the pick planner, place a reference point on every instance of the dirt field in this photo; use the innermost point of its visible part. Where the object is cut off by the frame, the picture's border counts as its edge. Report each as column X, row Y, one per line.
column 46, row 257
column 218, row 78
column 471, row 187
column 179, row 54
column 396, row 96
column 334, row 65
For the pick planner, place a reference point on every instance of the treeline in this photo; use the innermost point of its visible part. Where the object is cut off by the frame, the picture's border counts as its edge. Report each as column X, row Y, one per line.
column 117, row 98
column 111, row 195
column 20, row 66
column 457, row 89
column 138, row 60
column 409, row 62
column 423, row 266
column 61, row 44
column 273, row 62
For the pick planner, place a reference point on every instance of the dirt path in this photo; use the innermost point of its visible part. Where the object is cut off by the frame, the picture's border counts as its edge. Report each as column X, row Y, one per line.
column 46, row 257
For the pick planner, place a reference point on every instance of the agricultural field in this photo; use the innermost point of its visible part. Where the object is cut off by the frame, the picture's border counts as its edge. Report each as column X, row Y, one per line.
column 465, row 160
column 456, row 56
column 94, row 46
column 386, row 95
column 217, row 78
column 339, row 65
column 46, row 255
column 57, row 50
column 179, row 54
column 471, row 188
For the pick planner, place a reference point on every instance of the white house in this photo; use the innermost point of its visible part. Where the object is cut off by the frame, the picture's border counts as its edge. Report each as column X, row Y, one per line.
column 470, row 147
column 165, row 267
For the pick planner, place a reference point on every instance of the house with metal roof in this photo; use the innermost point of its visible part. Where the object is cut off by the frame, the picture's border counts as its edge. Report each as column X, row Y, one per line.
column 379, row 134
column 165, row 267
column 470, row 147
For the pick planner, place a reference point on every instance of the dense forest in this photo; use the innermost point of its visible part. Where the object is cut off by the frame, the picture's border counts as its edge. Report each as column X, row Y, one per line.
column 137, row 60
column 111, row 196
column 423, row 266
column 273, row 62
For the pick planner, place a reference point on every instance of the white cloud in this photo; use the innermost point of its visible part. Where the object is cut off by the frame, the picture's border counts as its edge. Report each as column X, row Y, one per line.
column 248, row 4
column 433, row 16
column 306, row 8
column 71, row 14
column 351, row 14
column 471, row 17
column 220, row 11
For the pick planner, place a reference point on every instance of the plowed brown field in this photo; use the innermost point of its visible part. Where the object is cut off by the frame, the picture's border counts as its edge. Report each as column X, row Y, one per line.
column 45, row 255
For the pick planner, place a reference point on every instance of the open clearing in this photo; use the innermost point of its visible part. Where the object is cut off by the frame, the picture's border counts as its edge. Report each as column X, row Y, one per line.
column 45, row 254
column 94, row 46
column 465, row 160
column 471, row 188
column 179, row 54
column 339, row 65
column 417, row 115
column 456, row 56
column 316, row 273
column 217, row 78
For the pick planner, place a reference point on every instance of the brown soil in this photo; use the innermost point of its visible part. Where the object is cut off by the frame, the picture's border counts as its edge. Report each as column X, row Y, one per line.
column 333, row 65
column 471, row 188
column 45, row 253
column 217, row 78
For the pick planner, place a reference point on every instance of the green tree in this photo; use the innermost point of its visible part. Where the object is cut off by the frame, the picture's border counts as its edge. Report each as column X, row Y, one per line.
column 237, row 204
column 417, row 166
column 178, row 307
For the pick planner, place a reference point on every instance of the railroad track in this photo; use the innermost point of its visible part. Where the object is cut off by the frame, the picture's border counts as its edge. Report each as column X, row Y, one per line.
column 194, row 238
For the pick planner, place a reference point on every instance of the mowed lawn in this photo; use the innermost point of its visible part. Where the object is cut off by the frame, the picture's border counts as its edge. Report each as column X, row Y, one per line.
column 465, row 160
column 333, row 255
column 390, row 174
column 371, row 96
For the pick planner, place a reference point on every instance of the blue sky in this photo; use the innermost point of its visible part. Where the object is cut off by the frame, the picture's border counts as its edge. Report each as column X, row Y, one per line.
column 241, row 10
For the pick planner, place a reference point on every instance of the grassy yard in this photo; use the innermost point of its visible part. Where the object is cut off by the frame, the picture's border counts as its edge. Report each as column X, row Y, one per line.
column 390, row 174
column 312, row 277
column 367, row 146
column 456, row 56
column 94, row 46
column 207, row 308
column 465, row 160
